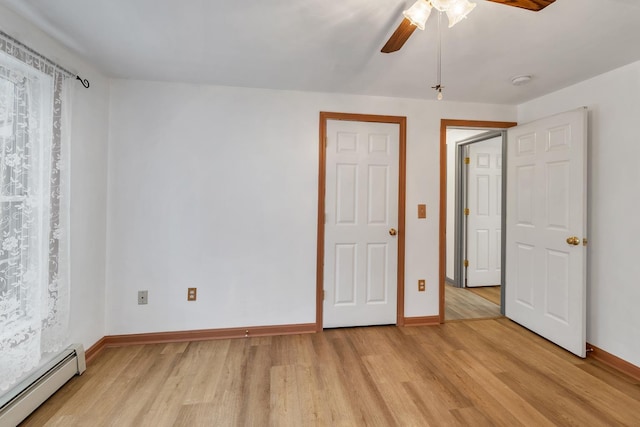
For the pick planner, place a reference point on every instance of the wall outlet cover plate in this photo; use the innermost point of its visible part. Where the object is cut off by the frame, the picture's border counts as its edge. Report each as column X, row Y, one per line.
column 143, row 297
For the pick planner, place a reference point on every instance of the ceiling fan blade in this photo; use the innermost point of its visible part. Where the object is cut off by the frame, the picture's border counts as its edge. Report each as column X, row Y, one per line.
column 399, row 36
column 535, row 5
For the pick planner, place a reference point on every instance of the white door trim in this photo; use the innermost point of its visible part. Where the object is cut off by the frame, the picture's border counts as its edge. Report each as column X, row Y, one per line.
column 402, row 129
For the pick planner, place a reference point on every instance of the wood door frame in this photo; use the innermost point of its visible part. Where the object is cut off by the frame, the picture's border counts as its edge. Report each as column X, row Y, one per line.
column 444, row 124
column 401, row 121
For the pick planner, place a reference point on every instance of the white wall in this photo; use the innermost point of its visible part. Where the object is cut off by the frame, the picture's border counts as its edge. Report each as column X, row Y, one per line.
column 613, row 269
column 216, row 188
column 88, row 181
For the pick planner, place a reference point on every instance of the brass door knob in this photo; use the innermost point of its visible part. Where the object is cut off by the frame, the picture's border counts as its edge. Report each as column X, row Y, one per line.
column 575, row 241
column 393, row 232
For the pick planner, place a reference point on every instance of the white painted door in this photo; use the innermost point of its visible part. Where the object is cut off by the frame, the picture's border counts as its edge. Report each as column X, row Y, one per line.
column 546, row 209
column 361, row 200
column 484, row 201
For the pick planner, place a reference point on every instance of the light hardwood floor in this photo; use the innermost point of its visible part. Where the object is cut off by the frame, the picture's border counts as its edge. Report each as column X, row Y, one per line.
column 490, row 293
column 462, row 303
column 468, row 373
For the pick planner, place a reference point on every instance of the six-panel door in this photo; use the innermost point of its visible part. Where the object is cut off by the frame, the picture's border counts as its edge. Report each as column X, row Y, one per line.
column 361, row 203
column 484, row 201
column 546, row 225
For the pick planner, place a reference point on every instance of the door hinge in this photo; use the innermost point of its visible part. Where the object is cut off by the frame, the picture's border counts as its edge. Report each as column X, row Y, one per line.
column 466, row 263
column 467, row 160
column 326, row 142
column 466, row 211
column 323, row 295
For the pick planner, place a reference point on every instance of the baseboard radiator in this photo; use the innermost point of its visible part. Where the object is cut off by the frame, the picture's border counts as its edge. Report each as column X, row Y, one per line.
column 39, row 386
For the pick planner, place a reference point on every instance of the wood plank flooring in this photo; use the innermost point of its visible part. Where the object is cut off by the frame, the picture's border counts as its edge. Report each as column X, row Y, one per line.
column 467, row 373
column 461, row 303
column 490, row 293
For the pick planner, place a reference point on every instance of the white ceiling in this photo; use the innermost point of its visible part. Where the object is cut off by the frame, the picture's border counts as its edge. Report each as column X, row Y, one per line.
column 334, row 45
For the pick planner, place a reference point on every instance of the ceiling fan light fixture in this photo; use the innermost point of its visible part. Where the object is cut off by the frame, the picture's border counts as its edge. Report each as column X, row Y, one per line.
column 418, row 13
column 458, row 10
column 442, row 5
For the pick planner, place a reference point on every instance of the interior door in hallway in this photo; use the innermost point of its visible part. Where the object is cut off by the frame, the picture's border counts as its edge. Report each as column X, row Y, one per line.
column 546, row 228
column 361, row 221
column 484, row 219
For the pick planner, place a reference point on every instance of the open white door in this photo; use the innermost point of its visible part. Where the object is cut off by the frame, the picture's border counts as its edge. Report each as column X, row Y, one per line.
column 484, row 219
column 361, row 244
column 546, row 219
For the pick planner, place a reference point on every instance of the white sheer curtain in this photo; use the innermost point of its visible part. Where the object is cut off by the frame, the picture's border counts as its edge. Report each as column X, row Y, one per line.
column 34, row 211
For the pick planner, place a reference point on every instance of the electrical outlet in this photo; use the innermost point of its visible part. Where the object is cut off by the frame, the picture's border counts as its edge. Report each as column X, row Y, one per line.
column 422, row 285
column 192, row 294
column 142, row 297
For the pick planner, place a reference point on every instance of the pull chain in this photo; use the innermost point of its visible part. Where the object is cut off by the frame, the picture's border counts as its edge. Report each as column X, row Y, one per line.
column 438, row 87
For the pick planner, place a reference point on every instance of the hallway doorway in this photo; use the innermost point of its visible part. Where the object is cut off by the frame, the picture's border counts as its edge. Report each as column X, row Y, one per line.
column 479, row 186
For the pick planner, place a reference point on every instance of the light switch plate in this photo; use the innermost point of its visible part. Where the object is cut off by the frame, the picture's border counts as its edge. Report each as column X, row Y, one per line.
column 422, row 211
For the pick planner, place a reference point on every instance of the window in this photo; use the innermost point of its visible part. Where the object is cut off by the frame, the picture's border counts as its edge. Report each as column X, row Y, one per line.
column 34, row 295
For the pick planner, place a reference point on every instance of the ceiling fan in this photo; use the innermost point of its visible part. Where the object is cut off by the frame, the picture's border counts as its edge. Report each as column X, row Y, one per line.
column 422, row 8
